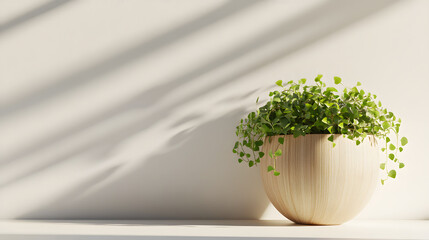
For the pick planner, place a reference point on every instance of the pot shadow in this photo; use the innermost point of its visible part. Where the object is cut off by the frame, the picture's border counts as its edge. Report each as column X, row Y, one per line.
column 146, row 237
column 187, row 223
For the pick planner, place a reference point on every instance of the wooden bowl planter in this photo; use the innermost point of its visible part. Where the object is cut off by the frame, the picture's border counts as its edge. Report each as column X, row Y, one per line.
column 320, row 184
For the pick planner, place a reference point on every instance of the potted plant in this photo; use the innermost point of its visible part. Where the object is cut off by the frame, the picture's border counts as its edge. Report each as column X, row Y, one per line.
column 319, row 149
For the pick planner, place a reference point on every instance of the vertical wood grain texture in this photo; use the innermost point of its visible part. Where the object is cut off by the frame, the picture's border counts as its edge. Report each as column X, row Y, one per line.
column 319, row 184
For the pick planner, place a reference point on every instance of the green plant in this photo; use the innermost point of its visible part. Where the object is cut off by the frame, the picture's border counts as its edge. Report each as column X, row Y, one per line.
column 299, row 109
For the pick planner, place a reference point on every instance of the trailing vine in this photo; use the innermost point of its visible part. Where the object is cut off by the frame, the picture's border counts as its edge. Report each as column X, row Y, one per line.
column 298, row 109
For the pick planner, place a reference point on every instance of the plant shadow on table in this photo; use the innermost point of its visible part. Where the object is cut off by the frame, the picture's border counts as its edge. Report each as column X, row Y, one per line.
column 187, row 223
column 118, row 237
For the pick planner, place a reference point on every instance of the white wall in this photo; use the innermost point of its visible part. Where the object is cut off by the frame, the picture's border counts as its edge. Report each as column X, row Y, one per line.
column 127, row 109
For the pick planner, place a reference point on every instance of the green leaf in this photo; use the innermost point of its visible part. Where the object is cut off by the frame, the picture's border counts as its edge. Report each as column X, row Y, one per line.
column 382, row 181
column 261, row 154
column 302, row 81
column 266, row 129
column 281, row 140
column 279, row 83
column 392, row 147
column 341, row 125
column 270, row 168
column 271, row 154
column 330, row 129
column 317, row 79
column 337, row 80
column 331, row 89
column 236, row 145
column 325, row 120
column 241, row 154
column 276, row 173
column 404, row 141
column 376, row 129
column 358, row 84
column 257, row 100
column 251, row 163
column 357, row 142
column 387, row 139
column 392, row 156
column 248, row 155
column 278, row 152
column 259, row 143
column 331, row 138
column 401, row 149
column 240, row 160
column 382, row 166
column 276, row 99
column 385, row 125
column 392, row 173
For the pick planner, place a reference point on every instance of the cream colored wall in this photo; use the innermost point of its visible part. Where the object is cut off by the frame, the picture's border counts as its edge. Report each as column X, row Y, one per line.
column 126, row 109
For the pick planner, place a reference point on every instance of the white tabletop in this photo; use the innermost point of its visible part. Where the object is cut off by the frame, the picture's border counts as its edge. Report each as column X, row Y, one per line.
column 209, row 229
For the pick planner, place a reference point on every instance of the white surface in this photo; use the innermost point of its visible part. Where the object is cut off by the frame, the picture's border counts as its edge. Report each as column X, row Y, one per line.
column 11, row 230
column 126, row 109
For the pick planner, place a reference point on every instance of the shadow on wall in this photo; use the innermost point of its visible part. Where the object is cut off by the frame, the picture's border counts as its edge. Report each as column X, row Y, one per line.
column 32, row 14
column 195, row 177
column 139, row 51
column 146, row 100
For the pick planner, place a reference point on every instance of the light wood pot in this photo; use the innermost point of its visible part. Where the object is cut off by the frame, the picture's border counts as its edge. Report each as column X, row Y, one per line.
column 319, row 184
